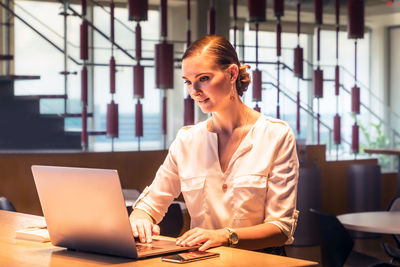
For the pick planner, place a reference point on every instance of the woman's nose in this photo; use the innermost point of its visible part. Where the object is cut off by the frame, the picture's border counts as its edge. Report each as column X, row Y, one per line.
column 194, row 90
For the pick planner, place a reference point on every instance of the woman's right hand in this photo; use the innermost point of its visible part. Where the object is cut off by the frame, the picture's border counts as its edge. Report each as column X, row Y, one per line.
column 143, row 226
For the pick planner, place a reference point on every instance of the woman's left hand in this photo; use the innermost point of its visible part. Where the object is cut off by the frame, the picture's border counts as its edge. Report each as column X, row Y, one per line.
column 209, row 238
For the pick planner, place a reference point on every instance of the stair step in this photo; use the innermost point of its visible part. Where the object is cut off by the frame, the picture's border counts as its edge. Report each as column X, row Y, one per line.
column 15, row 107
column 61, row 96
column 89, row 132
column 18, row 77
column 75, row 115
column 6, row 57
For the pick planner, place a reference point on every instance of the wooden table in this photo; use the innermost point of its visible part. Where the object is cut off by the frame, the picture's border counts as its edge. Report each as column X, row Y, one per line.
column 389, row 151
column 15, row 252
column 382, row 222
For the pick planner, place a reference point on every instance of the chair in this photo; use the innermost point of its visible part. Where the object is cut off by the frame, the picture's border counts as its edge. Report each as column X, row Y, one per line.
column 5, row 204
column 173, row 221
column 337, row 244
column 391, row 251
column 394, row 205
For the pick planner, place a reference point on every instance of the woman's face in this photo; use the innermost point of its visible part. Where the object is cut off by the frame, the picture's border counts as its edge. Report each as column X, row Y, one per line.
column 207, row 84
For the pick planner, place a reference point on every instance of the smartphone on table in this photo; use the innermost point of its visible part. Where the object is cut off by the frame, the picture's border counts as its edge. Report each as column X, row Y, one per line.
column 190, row 256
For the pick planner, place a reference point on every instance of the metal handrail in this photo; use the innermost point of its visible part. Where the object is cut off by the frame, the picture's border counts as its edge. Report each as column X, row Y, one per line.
column 36, row 31
column 348, row 72
column 43, row 24
column 308, row 109
column 373, row 113
column 76, row 13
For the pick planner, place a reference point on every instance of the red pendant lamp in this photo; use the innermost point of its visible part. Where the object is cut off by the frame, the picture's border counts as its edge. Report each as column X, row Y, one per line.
column 336, row 130
column 355, row 19
column 257, row 77
column 318, row 83
column 84, row 47
column 211, row 19
column 112, row 119
column 137, row 10
column 138, row 119
column 354, row 140
column 257, row 85
column 257, row 10
column 188, row 114
column 355, row 100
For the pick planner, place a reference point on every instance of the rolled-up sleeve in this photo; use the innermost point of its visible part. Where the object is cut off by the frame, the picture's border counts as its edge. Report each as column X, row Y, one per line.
column 165, row 187
column 280, row 205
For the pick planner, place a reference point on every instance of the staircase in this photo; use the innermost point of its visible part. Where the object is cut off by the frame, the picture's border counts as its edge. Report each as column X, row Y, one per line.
column 22, row 125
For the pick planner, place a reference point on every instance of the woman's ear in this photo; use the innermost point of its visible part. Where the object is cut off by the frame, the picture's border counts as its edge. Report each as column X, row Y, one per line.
column 234, row 72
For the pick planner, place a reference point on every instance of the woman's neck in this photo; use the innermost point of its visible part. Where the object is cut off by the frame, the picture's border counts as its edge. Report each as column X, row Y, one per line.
column 227, row 120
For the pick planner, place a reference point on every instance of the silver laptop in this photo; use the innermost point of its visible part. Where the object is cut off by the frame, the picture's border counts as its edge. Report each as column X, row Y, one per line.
column 85, row 210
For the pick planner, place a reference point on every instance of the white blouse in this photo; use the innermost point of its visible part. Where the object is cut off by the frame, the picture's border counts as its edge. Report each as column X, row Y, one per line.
column 258, row 186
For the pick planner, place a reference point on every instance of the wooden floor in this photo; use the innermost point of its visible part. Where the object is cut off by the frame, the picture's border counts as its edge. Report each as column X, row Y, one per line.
column 370, row 246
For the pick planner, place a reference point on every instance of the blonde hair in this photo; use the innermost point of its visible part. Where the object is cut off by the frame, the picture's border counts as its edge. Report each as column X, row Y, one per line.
column 224, row 54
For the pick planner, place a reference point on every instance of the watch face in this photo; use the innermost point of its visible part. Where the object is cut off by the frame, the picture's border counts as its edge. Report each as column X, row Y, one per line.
column 234, row 238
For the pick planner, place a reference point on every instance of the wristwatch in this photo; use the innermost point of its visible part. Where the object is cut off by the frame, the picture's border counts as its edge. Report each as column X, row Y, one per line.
column 233, row 238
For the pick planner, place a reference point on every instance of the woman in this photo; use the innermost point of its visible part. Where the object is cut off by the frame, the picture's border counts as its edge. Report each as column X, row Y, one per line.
column 237, row 170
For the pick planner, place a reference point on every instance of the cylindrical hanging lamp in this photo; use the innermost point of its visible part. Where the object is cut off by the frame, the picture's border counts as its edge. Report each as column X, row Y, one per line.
column 138, row 81
column 318, row 82
column 112, row 119
column 138, row 119
column 188, row 112
column 337, row 81
column 298, row 126
column 164, row 19
column 257, row 10
column 84, row 55
column 298, row 62
column 257, row 85
column 137, row 10
column 112, row 75
column 164, row 115
column 84, row 134
column 336, row 130
column 354, row 138
column 278, row 39
column 211, row 20
column 279, row 7
column 355, row 100
column 84, row 86
column 355, row 18
column 83, row 5
column 318, row 10
column 138, row 42
column 164, row 61
column 112, row 6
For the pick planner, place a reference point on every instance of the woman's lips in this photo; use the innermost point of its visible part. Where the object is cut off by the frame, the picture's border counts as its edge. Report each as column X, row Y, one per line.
column 203, row 101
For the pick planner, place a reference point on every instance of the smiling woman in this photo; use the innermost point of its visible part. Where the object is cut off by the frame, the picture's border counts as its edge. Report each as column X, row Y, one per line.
column 237, row 170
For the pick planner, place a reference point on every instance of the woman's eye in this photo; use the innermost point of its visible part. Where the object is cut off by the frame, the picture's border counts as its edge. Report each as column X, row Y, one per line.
column 187, row 82
column 204, row 78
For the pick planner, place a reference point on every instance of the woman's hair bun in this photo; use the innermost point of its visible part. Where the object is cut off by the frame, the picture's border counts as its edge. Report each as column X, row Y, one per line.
column 243, row 79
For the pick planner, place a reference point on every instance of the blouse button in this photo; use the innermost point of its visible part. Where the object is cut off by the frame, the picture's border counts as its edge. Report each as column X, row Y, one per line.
column 224, row 187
